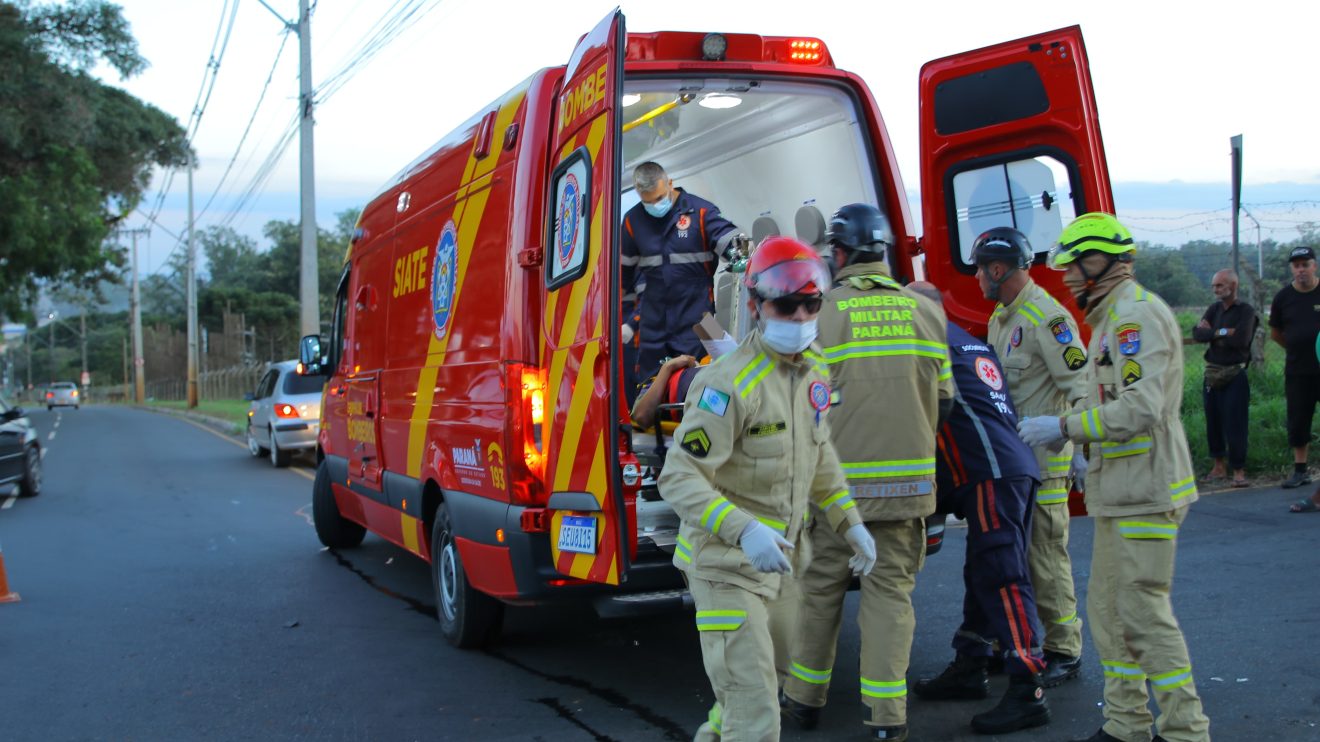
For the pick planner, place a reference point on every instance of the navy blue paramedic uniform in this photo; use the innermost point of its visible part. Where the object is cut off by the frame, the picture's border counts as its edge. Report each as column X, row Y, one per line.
column 986, row 474
column 669, row 265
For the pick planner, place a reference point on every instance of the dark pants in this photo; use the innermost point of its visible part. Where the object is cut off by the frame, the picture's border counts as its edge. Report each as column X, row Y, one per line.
column 1226, row 420
column 999, row 606
column 668, row 313
column 1302, row 392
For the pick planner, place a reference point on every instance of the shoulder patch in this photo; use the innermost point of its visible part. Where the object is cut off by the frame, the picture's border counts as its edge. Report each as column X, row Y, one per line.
column 1131, row 372
column 696, row 442
column 1075, row 357
column 1129, row 338
column 989, row 373
column 820, row 396
column 714, row 401
column 1062, row 332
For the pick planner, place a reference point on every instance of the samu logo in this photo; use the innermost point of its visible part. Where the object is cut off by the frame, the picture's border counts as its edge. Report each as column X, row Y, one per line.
column 443, row 278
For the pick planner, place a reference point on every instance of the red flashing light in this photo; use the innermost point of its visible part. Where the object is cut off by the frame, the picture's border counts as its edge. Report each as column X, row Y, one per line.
column 805, row 51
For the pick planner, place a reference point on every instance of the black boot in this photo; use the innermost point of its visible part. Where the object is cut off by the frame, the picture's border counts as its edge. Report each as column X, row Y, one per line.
column 964, row 678
column 1022, row 707
column 804, row 716
column 1059, row 668
column 890, row 734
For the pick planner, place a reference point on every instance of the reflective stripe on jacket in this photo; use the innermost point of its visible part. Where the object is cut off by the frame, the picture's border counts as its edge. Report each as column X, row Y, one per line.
column 889, row 364
column 1134, row 382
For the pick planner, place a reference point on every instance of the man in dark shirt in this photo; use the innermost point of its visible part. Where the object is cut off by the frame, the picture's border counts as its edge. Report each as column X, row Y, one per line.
column 672, row 242
column 986, row 474
column 1294, row 324
column 1227, row 326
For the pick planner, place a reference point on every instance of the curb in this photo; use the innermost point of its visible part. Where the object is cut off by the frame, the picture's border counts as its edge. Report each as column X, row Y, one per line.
column 227, row 427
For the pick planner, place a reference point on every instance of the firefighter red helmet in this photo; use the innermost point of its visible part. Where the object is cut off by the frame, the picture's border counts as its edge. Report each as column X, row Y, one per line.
column 781, row 266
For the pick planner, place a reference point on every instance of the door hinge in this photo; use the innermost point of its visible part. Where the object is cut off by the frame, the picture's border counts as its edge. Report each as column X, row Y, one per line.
column 529, row 257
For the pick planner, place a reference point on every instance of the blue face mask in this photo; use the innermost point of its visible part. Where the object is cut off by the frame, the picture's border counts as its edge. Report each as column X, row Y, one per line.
column 658, row 210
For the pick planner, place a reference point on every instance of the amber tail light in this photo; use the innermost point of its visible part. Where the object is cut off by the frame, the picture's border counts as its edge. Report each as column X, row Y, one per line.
column 525, row 397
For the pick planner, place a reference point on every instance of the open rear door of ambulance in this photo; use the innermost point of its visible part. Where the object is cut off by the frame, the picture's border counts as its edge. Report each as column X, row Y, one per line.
column 1009, row 137
column 580, row 341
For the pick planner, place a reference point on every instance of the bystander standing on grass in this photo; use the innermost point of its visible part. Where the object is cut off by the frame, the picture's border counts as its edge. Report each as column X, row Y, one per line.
column 1295, row 324
column 1227, row 327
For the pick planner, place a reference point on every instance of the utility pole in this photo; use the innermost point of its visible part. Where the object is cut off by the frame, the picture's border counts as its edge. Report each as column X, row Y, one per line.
column 135, row 312
column 1235, row 144
column 307, row 288
column 192, row 296
column 309, row 317
column 85, row 379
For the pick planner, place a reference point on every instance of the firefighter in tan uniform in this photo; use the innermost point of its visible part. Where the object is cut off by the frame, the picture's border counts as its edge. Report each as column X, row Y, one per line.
column 1140, row 486
column 1041, row 350
column 752, row 451
column 889, row 366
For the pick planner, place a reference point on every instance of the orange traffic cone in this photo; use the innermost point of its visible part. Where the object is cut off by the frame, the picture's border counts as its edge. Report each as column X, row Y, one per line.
column 5, row 595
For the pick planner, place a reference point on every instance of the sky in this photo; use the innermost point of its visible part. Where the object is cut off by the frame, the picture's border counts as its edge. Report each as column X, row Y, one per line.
column 1174, row 81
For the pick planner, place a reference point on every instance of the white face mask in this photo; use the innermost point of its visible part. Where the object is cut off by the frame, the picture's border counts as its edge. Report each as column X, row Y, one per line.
column 788, row 337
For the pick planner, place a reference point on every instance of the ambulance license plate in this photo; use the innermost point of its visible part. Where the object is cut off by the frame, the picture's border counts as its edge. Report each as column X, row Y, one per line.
column 578, row 534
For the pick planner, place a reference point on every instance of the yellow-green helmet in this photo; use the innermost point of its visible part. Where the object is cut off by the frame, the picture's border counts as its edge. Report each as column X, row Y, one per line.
column 1094, row 231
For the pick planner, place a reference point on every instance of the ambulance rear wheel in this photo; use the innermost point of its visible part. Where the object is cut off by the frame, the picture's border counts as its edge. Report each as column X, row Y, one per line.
column 333, row 529
column 468, row 618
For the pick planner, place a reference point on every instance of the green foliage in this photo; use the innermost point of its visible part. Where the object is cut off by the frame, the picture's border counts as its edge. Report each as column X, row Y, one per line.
column 75, row 154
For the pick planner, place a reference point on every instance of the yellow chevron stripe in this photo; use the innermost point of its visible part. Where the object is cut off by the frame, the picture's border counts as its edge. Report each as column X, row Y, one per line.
column 582, row 563
column 467, row 228
column 583, row 387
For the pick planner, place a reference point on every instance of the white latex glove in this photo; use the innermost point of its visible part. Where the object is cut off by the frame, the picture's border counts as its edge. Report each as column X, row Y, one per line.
column 765, row 548
column 627, row 334
column 863, row 546
column 1040, row 431
column 1078, row 470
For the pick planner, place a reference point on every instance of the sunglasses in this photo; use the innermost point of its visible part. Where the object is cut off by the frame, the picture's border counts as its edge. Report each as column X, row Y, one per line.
column 787, row 305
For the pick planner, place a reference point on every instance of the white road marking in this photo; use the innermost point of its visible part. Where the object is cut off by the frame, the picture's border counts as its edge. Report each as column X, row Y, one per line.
column 51, row 437
column 302, row 511
column 43, row 453
column 9, row 501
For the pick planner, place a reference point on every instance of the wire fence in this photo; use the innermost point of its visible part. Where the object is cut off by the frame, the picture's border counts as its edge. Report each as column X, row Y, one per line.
column 222, row 383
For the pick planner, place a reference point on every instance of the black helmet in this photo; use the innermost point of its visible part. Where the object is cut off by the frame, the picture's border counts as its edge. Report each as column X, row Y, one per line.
column 1002, row 243
column 860, row 227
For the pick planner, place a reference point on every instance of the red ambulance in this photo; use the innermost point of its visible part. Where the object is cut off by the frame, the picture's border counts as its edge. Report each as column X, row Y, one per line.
column 476, row 412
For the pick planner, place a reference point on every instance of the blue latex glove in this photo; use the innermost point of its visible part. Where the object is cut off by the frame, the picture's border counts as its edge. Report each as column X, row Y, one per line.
column 1040, row 431
column 863, row 546
column 765, row 548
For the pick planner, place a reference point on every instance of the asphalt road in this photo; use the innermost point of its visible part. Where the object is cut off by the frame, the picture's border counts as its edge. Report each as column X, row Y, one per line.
column 173, row 589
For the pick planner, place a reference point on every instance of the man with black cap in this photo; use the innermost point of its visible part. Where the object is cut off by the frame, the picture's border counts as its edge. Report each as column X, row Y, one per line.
column 1294, row 324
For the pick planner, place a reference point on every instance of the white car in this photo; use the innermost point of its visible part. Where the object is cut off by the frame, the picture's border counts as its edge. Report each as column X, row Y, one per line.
column 284, row 416
column 62, row 394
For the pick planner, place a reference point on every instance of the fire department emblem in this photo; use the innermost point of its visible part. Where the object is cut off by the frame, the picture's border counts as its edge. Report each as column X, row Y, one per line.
column 988, row 372
column 1016, row 338
column 443, row 278
column 820, row 396
column 570, row 209
column 684, row 221
column 1129, row 339
column 1062, row 333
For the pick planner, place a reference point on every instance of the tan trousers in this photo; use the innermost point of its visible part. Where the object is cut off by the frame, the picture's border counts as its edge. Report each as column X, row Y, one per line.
column 885, row 617
column 1135, row 633
column 744, row 645
column 1051, row 570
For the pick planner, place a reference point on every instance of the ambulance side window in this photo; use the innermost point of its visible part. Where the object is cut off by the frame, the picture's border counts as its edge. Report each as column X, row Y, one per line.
column 339, row 326
column 569, row 220
column 1032, row 192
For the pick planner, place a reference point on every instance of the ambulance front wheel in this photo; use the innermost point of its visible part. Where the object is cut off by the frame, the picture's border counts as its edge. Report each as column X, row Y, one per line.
column 333, row 529
column 468, row 618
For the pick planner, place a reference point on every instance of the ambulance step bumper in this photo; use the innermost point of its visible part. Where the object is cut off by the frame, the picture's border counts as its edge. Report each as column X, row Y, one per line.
column 639, row 604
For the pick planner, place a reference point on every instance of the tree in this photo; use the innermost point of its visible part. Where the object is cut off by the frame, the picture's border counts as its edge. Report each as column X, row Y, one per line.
column 75, row 154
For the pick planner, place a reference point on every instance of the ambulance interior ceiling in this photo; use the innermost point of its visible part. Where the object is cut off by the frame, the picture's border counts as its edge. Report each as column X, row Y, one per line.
column 754, row 148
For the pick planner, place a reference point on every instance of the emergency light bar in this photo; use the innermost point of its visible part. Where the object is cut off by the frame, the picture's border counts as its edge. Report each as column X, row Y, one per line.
column 717, row 47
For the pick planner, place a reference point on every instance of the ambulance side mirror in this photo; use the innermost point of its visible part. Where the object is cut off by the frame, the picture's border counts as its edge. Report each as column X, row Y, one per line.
column 309, row 356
